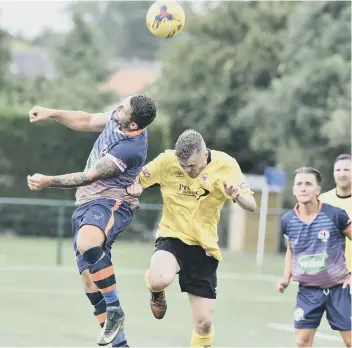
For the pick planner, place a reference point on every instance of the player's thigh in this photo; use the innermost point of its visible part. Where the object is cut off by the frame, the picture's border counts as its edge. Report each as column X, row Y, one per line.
column 202, row 313
column 310, row 307
column 164, row 264
column 99, row 223
column 304, row 337
column 89, row 236
column 338, row 308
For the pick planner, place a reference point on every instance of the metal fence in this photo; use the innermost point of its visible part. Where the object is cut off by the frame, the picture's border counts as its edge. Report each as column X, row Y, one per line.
column 52, row 218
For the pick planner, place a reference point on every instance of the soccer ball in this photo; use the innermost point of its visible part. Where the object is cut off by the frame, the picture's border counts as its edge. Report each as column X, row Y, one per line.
column 165, row 19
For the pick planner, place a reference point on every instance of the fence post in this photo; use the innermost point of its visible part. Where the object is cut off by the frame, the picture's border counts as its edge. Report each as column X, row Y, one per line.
column 60, row 234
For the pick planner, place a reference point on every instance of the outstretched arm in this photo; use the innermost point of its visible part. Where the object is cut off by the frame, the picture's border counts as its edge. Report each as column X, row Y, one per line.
column 102, row 169
column 77, row 120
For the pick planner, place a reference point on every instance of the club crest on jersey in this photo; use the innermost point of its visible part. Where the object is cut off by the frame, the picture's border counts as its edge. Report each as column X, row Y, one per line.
column 145, row 172
column 205, row 177
column 299, row 314
column 324, row 235
column 179, row 174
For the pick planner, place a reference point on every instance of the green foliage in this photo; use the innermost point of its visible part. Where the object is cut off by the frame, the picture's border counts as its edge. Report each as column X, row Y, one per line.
column 305, row 113
column 121, row 27
column 4, row 58
column 80, row 51
column 231, row 50
column 268, row 82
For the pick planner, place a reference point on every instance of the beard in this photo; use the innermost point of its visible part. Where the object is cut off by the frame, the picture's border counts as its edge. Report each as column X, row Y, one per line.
column 121, row 124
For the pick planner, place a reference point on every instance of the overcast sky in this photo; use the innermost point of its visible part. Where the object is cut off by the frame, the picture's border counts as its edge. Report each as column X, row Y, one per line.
column 31, row 17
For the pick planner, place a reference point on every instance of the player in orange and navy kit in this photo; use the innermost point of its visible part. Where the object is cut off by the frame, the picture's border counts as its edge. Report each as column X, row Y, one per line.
column 104, row 207
column 315, row 258
column 340, row 196
column 195, row 182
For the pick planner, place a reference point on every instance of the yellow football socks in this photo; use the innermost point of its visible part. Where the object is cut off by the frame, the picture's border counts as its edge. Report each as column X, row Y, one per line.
column 147, row 280
column 198, row 341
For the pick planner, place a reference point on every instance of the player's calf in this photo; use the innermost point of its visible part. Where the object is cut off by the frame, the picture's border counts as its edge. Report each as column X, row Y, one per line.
column 203, row 333
column 162, row 272
column 202, row 312
column 89, row 241
column 157, row 301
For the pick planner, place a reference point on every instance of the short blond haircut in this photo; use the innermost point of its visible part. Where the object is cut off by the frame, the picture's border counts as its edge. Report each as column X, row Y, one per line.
column 189, row 142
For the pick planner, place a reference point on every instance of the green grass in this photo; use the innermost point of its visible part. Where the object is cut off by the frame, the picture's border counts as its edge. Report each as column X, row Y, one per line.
column 44, row 305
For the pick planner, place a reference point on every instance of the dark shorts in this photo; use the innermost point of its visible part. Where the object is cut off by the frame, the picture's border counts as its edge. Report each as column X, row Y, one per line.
column 111, row 216
column 312, row 302
column 198, row 271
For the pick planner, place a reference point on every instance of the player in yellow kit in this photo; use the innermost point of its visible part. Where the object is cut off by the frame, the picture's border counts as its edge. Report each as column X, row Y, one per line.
column 340, row 196
column 195, row 182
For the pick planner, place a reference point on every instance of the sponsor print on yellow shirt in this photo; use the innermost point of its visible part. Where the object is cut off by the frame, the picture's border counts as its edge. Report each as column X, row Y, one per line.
column 191, row 209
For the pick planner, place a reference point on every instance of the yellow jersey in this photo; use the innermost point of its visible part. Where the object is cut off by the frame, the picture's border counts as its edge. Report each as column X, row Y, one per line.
column 345, row 203
column 191, row 209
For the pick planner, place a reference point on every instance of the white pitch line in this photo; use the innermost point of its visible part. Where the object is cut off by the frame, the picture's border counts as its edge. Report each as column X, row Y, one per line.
column 72, row 292
column 130, row 272
column 289, row 328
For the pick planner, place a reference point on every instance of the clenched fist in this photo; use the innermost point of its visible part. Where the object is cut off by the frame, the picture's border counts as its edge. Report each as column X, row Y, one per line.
column 37, row 181
column 38, row 113
column 282, row 285
column 134, row 190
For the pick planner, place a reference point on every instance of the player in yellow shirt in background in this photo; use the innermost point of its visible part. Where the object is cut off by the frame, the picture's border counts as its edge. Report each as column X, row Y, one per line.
column 340, row 196
column 195, row 182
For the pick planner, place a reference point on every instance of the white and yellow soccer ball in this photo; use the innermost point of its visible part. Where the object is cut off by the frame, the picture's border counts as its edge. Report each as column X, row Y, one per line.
column 165, row 19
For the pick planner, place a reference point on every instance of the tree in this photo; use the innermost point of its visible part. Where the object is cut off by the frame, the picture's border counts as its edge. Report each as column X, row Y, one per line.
column 4, row 58
column 80, row 51
column 121, row 27
column 231, row 51
column 305, row 113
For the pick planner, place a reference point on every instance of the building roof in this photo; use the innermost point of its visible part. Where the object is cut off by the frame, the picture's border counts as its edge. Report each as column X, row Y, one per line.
column 131, row 78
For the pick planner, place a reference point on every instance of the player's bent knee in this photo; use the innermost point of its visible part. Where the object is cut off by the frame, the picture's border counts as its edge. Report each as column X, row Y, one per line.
column 160, row 281
column 304, row 342
column 203, row 326
column 88, row 237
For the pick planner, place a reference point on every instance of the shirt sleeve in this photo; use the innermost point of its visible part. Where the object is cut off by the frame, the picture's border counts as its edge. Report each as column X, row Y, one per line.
column 283, row 229
column 344, row 222
column 123, row 155
column 234, row 175
column 151, row 173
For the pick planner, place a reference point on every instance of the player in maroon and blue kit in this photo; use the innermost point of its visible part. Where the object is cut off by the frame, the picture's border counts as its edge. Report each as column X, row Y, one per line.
column 104, row 209
column 315, row 258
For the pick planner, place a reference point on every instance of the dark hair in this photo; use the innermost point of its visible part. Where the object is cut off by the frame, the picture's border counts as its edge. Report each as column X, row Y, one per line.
column 143, row 110
column 309, row 170
column 344, row 156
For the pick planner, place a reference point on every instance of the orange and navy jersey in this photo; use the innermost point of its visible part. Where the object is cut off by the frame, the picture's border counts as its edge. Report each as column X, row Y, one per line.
column 129, row 153
column 318, row 247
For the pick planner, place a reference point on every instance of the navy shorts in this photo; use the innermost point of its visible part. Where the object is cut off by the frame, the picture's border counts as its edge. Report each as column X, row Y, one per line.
column 312, row 302
column 111, row 216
